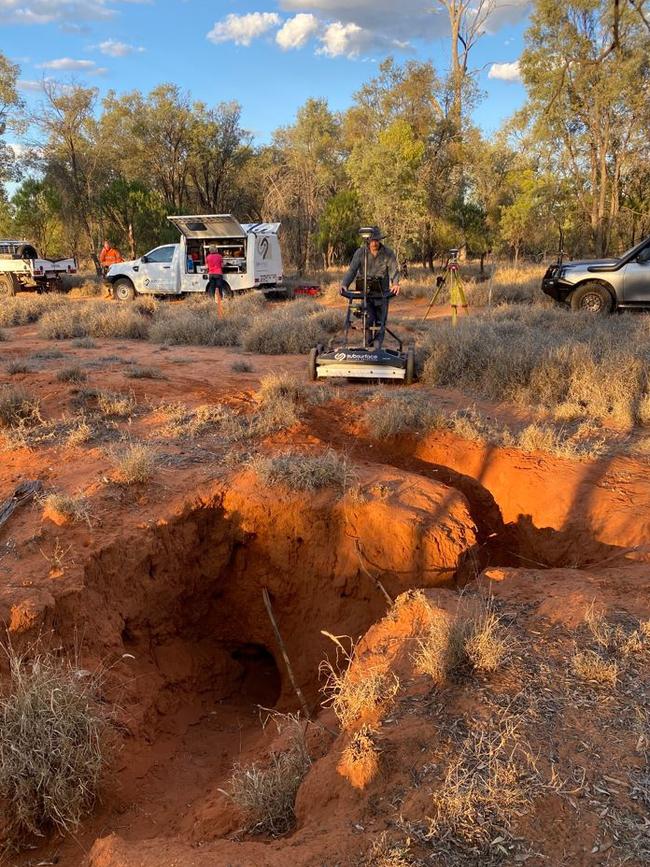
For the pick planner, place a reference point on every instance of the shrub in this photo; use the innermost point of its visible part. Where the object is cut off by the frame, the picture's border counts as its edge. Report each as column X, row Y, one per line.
column 51, row 747
column 84, row 343
column 544, row 357
column 304, row 472
column 135, row 465
column 294, row 329
column 72, row 374
column 17, row 407
column 266, row 794
column 197, row 324
column 26, row 308
column 94, row 319
column 241, row 367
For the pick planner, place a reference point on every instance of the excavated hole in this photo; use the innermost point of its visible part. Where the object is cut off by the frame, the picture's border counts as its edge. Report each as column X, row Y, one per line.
column 184, row 602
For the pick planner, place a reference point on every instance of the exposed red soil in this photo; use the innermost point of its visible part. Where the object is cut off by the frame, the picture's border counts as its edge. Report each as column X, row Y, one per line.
column 171, row 574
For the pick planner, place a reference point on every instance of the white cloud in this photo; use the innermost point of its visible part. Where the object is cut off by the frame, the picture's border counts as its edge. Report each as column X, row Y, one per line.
column 47, row 11
column 69, row 64
column 343, row 40
column 242, row 29
column 32, row 86
column 297, row 31
column 113, row 48
column 404, row 22
column 505, row 71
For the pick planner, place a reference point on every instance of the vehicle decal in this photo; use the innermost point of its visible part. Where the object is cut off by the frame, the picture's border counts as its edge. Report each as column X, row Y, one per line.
column 264, row 248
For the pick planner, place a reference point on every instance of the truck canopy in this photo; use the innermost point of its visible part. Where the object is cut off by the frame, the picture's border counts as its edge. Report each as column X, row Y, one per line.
column 261, row 228
column 208, row 226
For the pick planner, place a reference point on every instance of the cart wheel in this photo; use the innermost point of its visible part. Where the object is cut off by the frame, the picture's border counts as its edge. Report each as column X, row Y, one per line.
column 409, row 379
column 313, row 355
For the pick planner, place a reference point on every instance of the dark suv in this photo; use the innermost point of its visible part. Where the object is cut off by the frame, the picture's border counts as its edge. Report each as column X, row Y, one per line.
column 603, row 285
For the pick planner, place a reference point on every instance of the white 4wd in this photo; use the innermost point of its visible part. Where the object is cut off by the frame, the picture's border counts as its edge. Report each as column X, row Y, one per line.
column 21, row 268
column 251, row 259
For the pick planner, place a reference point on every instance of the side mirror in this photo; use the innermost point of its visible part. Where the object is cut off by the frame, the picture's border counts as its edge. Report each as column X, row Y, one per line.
column 144, row 260
column 644, row 256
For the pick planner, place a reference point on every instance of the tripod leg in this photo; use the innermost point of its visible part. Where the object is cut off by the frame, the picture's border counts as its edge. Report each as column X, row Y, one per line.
column 434, row 298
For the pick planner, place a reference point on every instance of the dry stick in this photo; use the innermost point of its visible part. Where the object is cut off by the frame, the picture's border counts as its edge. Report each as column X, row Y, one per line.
column 283, row 649
column 378, row 583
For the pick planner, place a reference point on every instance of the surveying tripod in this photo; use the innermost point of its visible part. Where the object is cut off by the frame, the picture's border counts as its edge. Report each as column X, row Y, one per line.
column 451, row 280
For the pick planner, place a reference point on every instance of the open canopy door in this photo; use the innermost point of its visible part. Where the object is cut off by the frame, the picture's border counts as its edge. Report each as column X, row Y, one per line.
column 209, row 226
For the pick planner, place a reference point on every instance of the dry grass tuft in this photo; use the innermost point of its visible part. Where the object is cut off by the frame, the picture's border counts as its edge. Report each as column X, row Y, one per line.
column 206, row 418
column 241, row 367
column 81, row 433
column 17, row 407
column 279, row 387
column 72, row 374
column 145, row 372
column 116, row 404
column 51, row 747
column 590, row 666
column 360, row 695
column 266, row 794
column 136, row 465
column 68, row 507
column 17, row 366
column 385, row 853
column 473, row 638
column 359, row 762
column 485, row 786
column 84, row 343
column 303, row 472
column 405, row 412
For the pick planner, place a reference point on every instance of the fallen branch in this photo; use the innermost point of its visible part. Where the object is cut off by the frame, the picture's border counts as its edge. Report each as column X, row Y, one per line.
column 23, row 493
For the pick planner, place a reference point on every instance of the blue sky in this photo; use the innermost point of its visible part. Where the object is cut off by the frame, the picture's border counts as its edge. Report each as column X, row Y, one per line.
column 270, row 55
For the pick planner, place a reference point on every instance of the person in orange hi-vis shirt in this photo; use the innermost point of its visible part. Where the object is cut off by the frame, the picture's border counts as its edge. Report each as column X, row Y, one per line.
column 109, row 255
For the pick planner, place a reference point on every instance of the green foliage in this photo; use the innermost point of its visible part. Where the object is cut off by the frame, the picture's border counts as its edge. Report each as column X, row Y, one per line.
column 385, row 174
column 339, row 226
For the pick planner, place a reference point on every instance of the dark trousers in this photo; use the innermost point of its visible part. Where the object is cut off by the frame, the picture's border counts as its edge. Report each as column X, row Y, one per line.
column 215, row 284
column 377, row 315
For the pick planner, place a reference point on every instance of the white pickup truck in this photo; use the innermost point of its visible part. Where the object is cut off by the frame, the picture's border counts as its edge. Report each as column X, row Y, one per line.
column 251, row 259
column 21, row 268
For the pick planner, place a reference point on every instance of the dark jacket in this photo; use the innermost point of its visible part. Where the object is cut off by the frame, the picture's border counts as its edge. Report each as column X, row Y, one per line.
column 383, row 265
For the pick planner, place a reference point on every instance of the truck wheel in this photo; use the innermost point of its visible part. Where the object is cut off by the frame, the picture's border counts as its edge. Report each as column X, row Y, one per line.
column 592, row 298
column 409, row 378
column 313, row 371
column 7, row 284
column 123, row 290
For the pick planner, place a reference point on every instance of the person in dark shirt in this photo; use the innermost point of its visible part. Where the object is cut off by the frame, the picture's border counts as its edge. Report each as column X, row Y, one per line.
column 383, row 282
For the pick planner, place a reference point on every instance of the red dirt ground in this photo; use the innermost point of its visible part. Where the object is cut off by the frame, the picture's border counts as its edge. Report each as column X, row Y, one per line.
column 171, row 574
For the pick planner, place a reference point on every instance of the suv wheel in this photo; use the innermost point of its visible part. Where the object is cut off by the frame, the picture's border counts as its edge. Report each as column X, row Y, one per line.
column 123, row 290
column 592, row 298
column 7, row 284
